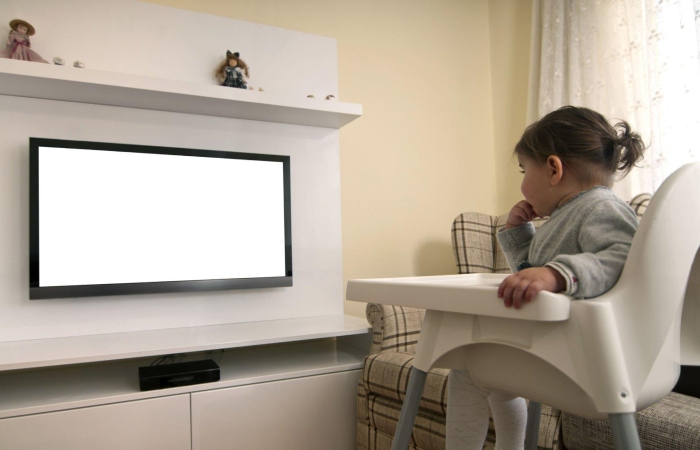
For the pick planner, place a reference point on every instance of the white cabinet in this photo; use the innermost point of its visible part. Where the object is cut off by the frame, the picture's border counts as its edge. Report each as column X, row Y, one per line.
column 160, row 423
column 288, row 384
column 311, row 413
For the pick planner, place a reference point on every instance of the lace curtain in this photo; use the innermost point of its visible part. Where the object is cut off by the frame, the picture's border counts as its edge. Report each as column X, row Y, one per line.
column 635, row 60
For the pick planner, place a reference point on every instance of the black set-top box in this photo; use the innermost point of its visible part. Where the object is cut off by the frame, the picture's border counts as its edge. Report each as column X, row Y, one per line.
column 178, row 374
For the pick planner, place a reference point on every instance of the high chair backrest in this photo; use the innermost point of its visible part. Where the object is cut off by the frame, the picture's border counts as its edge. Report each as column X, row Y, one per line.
column 649, row 297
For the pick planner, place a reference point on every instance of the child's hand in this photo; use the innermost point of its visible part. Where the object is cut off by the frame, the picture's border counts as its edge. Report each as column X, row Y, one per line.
column 520, row 214
column 522, row 287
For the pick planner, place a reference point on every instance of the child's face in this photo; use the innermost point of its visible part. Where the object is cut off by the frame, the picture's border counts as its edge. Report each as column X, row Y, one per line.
column 21, row 29
column 535, row 186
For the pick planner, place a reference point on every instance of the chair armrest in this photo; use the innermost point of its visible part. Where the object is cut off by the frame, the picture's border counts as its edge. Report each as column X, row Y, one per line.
column 473, row 242
column 639, row 204
column 394, row 328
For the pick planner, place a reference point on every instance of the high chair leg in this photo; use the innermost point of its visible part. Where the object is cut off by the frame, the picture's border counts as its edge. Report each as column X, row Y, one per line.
column 532, row 429
column 409, row 410
column 624, row 431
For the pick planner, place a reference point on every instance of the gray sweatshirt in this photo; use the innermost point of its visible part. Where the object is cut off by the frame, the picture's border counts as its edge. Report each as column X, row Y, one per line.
column 586, row 240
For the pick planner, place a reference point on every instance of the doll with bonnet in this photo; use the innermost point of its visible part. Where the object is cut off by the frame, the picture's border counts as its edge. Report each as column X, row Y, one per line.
column 18, row 45
column 232, row 70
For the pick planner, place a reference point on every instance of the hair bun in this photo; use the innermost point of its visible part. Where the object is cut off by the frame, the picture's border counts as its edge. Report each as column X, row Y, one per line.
column 629, row 147
column 624, row 132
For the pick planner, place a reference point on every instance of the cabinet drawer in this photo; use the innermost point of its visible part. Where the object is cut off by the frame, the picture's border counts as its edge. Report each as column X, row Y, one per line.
column 311, row 413
column 161, row 423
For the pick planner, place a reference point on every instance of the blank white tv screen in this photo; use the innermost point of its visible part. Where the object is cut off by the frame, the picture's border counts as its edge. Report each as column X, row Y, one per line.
column 110, row 217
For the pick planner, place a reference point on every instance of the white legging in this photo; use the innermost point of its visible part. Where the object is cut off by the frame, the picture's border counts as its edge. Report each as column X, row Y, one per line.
column 468, row 415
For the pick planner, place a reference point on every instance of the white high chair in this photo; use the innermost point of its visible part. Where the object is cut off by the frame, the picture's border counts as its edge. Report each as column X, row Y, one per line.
column 605, row 357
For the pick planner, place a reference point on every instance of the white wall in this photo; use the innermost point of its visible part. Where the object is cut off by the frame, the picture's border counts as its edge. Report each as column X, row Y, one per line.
column 128, row 36
column 124, row 36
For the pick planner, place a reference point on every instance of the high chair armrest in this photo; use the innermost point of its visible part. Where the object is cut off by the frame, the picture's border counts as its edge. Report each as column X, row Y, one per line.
column 469, row 294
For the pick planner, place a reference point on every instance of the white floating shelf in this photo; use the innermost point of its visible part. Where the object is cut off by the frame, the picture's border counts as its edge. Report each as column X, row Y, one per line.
column 35, row 80
column 117, row 346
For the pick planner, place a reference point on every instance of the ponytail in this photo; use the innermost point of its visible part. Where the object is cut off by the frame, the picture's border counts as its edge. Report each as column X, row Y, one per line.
column 629, row 148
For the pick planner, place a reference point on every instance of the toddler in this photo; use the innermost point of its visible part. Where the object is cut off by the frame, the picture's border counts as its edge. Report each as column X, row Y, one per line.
column 569, row 159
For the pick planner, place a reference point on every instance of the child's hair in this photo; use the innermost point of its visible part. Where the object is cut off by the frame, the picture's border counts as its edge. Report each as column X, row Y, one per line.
column 585, row 142
column 220, row 75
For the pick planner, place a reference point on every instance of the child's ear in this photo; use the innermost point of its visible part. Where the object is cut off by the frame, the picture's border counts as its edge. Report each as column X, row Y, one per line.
column 556, row 170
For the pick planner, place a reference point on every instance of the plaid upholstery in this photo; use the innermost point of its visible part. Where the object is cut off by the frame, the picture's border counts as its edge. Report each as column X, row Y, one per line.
column 396, row 330
column 672, row 423
column 639, row 204
column 430, row 432
column 386, row 375
column 380, row 397
column 473, row 242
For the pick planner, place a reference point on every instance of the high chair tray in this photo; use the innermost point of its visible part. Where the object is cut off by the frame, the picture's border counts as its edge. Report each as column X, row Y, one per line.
column 471, row 294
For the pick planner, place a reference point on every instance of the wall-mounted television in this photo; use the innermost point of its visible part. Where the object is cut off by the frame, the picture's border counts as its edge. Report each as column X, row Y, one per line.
column 118, row 219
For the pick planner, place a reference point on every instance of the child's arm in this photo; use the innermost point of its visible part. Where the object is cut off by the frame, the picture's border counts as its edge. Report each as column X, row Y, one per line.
column 515, row 239
column 605, row 239
column 521, row 287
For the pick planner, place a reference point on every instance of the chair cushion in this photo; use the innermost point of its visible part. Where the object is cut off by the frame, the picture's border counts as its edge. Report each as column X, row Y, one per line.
column 672, row 423
column 428, row 429
column 386, row 374
column 380, row 397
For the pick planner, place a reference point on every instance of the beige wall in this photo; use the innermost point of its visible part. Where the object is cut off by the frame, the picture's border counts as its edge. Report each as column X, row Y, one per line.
column 509, row 26
column 425, row 149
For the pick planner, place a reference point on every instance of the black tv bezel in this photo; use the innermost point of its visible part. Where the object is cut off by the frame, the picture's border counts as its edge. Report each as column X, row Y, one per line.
column 36, row 292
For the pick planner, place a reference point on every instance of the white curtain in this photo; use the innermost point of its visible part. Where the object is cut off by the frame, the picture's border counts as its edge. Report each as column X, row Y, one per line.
column 635, row 60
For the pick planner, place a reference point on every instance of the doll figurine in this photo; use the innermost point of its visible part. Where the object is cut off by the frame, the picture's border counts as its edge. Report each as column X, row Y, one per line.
column 18, row 45
column 232, row 70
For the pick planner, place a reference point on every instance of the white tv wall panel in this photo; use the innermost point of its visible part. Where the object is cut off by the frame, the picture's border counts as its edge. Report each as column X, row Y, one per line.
column 316, row 221
column 127, row 95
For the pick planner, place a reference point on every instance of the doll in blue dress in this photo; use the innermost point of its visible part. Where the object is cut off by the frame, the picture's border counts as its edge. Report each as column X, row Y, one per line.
column 233, row 71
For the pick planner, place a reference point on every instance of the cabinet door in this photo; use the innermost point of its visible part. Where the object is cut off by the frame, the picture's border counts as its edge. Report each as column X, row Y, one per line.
column 311, row 413
column 162, row 423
